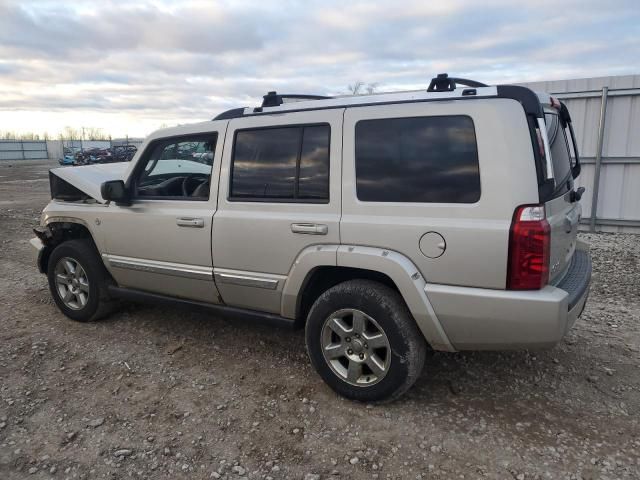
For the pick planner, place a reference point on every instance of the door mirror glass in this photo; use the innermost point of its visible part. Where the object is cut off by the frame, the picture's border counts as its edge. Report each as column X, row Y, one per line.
column 115, row 191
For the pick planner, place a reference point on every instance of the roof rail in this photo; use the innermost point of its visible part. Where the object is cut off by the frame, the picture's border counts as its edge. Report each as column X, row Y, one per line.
column 441, row 83
column 444, row 83
column 274, row 99
column 229, row 114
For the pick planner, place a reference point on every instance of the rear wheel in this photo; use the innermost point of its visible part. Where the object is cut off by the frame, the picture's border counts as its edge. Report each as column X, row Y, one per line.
column 78, row 281
column 363, row 342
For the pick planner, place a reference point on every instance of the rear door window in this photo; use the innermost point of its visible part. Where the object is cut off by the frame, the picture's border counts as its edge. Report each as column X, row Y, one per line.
column 287, row 164
column 419, row 159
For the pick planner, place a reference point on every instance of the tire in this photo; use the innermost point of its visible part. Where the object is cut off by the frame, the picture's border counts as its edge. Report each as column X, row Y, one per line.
column 382, row 371
column 97, row 302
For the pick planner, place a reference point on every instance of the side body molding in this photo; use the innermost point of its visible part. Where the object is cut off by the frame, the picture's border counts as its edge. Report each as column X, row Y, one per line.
column 393, row 264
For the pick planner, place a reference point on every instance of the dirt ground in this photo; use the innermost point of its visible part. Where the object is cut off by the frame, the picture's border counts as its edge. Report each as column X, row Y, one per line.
column 160, row 393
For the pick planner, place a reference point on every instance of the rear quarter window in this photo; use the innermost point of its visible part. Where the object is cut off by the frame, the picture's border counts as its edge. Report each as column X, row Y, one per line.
column 419, row 159
column 560, row 151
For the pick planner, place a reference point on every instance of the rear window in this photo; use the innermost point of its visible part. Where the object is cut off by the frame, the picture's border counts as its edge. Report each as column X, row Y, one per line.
column 559, row 147
column 418, row 159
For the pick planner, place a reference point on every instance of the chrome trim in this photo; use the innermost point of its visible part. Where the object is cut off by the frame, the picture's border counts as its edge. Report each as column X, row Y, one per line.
column 164, row 268
column 269, row 282
column 547, row 152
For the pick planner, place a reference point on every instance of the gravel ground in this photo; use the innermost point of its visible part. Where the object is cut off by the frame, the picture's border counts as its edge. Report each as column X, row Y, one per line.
column 161, row 393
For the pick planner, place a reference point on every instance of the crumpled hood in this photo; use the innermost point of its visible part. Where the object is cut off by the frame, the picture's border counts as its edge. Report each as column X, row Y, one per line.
column 89, row 178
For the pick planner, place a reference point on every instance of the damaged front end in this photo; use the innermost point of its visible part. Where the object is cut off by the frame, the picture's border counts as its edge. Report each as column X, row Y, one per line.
column 75, row 192
column 64, row 191
column 82, row 184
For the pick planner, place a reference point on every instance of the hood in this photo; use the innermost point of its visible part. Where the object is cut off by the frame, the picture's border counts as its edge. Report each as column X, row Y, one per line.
column 89, row 178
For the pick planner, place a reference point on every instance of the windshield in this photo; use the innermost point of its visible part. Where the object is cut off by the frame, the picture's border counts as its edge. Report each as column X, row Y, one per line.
column 559, row 148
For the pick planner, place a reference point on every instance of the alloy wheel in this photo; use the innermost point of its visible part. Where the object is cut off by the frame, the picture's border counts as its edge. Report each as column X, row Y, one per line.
column 72, row 283
column 356, row 347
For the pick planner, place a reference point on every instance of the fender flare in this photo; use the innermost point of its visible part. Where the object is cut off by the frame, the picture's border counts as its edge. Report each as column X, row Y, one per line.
column 396, row 266
column 48, row 247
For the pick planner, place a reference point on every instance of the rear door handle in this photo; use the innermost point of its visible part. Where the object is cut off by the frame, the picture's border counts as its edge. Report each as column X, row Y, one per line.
column 309, row 228
column 190, row 222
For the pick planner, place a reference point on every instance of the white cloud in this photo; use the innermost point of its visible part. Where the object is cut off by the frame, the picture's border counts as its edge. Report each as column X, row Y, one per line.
column 130, row 66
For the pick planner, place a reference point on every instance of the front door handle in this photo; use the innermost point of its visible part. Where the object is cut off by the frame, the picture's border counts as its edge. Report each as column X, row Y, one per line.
column 190, row 222
column 309, row 228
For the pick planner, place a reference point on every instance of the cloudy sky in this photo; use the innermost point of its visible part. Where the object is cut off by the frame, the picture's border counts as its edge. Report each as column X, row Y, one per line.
column 129, row 67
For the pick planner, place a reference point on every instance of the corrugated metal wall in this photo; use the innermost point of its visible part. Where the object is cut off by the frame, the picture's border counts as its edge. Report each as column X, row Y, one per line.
column 618, row 204
column 22, row 150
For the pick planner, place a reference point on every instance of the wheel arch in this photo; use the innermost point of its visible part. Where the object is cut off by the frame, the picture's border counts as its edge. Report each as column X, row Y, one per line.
column 326, row 265
column 322, row 278
column 57, row 231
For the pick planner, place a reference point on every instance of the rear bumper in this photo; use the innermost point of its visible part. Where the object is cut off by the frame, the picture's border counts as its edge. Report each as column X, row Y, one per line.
column 483, row 319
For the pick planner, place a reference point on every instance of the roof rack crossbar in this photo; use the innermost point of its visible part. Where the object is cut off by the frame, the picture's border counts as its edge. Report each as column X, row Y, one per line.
column 444, row 83
column 274, row 99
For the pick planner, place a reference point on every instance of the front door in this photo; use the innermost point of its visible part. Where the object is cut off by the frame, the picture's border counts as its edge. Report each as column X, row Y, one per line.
column 279, row 194
column 161, row 243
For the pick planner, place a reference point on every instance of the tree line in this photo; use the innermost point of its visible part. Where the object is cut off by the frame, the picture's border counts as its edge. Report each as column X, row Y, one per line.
column 67, row 133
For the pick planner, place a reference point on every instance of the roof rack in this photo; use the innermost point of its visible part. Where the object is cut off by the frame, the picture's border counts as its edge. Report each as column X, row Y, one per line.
column 274, row 99
column 440, row 84
column 444, row 83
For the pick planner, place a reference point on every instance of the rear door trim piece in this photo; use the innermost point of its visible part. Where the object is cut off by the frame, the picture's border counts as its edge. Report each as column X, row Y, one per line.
column 248, row 279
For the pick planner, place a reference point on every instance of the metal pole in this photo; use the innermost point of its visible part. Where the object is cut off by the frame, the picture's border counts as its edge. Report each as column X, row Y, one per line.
column 596, row 176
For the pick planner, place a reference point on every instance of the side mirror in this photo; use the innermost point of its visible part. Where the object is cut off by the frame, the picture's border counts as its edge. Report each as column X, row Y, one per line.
column 115, row 191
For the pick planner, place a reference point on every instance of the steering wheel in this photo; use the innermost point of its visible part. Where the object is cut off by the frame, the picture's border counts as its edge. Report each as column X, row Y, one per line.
column 187, row 189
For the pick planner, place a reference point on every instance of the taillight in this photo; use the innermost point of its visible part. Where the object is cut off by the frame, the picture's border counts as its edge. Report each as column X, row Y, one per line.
column 529, row 238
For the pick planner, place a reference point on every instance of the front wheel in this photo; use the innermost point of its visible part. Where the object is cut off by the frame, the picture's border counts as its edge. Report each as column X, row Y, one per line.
column 78, row 281
column 363, row 341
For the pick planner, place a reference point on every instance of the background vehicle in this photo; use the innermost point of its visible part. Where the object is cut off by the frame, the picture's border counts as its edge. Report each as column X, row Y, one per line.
column 68, row 156
column 383, row 224
column 123, row 153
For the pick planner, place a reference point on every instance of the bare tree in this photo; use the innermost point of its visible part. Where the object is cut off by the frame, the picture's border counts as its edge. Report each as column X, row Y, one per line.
column 362, row 88
column 9, row 135
column 371, row 87
column 356, row 88
column 69, row 133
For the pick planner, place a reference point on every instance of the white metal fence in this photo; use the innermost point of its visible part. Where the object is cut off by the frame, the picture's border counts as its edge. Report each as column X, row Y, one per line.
column 23, row 150
column 606, row 117
column 54, row 149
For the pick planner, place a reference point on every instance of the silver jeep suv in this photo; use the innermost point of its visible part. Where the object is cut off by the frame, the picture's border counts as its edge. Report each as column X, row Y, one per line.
column 384, row 225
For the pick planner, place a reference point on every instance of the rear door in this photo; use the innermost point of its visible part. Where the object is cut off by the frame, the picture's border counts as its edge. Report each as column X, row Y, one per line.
column 563, row 212
column 279, row 194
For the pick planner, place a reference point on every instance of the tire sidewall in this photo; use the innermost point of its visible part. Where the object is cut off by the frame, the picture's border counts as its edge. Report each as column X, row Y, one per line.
column 389, row 311
column 70, row 249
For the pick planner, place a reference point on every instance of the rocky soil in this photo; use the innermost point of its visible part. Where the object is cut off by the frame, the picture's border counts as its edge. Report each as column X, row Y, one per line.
column 161, row 393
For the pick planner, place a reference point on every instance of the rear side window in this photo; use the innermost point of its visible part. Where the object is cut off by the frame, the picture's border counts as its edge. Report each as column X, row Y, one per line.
column 419, row 159
column 560, row 152
column 281, row 164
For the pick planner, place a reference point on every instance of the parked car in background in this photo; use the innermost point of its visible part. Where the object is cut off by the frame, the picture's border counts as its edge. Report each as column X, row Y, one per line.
column 384, row 225
column 68, row 156
column 97, row 155
column 123, row 153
